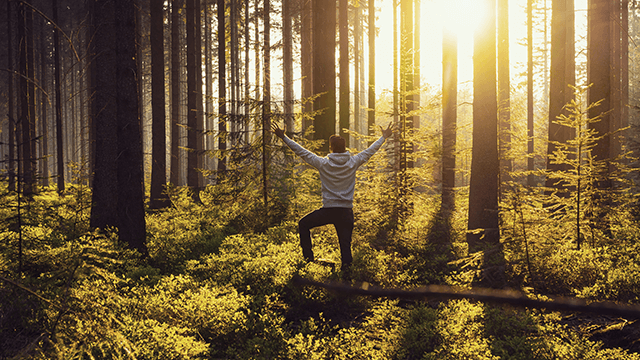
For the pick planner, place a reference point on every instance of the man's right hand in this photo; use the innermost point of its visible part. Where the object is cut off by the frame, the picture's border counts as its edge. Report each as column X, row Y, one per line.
column 388, row 131
column 276, row 130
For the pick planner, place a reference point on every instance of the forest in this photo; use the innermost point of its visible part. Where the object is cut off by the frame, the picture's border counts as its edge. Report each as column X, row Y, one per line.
column 148, row 210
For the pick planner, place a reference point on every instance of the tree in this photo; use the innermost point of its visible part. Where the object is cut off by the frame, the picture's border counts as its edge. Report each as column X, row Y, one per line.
column 287, row 65
column 504, row 89
column 118, row 192
column 483, row 190
column 27, row 100
column 193, row 74
column 176, row 5
column 11, row 98
column 266, row 102
column 343, row 14
column 599, row 75
column 324, row 70
column 306, row 63
column 371, row 118
column 562, row 80
column 530, row 114
column 158, row 198
column 449, row 116
column 222, row 90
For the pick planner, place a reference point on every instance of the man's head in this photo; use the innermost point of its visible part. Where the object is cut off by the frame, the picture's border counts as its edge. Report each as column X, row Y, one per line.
column 337, row 144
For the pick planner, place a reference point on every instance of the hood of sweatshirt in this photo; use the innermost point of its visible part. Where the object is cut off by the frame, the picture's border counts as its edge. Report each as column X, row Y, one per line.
column 339, row 158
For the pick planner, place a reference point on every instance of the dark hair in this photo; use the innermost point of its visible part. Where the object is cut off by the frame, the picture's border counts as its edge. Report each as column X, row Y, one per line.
column 337, row 144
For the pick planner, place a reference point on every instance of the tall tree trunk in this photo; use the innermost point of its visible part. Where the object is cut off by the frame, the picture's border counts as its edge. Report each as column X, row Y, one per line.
column 104, row 202
column 483, row 190
column 371, row 96
column 599, row 56
column 198, row 94
column 343, row 14
column 504, row 89
column 416, row 65
column 12, row 116
column 449, row 117
column 562, row 77
column 247, row 89
column 131, row 219
column 306, row 63
column 222, row 90
column 287, row 65
column 406, row 87
column 357, row 38
column 530, row 97
column 27, row 107
column 193, row 74
column 176, row 5
column 44, row 151
column 266, row 104
column 324, row 70
column 158, row 198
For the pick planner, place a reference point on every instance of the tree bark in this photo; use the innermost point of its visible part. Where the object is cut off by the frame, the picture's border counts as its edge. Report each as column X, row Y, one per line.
column 11, row 100
column 306, row 65
column 530, row 97
column 599, row 74
column 176, row 5
column 158, row 198
column 192, row 98
column 343, row 14
column 287, row 65
column 104, row 206
column 483, row 190
column 449, row 117
column 222, row 90
column 371, row 118
column 324, row 70
column 266, row 104
column 562, row 77
column 504, row 89
column 130, row 174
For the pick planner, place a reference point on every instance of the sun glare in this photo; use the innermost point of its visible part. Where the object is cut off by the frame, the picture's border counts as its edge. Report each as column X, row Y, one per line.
column 460, row 16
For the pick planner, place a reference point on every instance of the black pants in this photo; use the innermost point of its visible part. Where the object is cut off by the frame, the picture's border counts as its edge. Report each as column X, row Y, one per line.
column 341, row 218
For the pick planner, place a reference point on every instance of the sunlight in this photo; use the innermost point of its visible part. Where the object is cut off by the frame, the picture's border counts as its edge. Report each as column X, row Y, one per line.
column 460, row 16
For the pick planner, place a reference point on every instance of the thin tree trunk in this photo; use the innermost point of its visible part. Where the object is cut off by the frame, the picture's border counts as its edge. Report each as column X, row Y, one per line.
column 416, row 65
column 530, row 113
column 357, row 35
column 222, row 90
column 26, row 72
column 44, row 153
column 306, row 53
column 371, row 118
column 287, row 66
column 176, row 5
column 158, row 198
column 504, row 89
column 449, row 117
column 192, row 99
column 343, row 14
column 266, row 104
column 12, row 116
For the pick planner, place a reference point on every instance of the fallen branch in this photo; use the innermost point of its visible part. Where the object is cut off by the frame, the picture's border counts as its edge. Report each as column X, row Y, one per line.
column 485, row 295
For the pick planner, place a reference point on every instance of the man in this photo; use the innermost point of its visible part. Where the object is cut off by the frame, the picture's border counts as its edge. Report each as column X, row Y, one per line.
column 338, row 176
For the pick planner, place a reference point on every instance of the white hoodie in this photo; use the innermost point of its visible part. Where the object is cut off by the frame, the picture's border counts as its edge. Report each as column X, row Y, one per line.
column 337, row 171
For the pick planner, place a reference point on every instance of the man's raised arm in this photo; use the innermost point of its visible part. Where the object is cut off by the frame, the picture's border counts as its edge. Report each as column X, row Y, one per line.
column 306, row 155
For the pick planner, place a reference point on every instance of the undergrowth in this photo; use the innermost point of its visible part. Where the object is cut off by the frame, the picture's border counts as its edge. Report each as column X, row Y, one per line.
column 217, row 283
